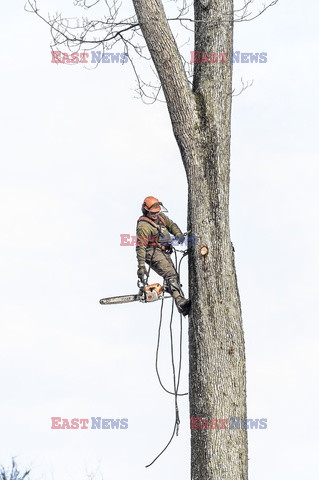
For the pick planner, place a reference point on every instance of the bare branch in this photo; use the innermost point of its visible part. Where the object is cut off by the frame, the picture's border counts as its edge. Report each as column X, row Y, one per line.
column 83, row 3
column 14, row 473
column 243, row 17
column 87, row 34
column 246, row 17
column 244, row 86
column 246, row 3
column 63, row 32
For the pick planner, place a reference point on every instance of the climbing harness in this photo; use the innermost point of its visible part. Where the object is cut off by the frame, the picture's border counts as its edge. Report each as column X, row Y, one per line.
column 165, row 243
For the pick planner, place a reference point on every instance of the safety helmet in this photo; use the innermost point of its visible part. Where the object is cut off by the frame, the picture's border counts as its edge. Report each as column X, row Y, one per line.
column 151, row 204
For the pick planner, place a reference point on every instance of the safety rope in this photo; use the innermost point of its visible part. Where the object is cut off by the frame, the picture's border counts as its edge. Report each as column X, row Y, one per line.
column 177, row 269
column 157, row 354
column 175, row 383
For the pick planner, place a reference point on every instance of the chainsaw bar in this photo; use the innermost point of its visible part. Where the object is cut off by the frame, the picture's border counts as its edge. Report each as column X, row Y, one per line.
column 121, row 299
column 151, row 293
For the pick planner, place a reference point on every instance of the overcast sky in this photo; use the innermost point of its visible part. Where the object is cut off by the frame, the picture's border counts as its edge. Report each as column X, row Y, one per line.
column 78, row 155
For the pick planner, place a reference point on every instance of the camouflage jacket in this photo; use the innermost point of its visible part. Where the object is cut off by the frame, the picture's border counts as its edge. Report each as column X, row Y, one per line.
column 148, row 234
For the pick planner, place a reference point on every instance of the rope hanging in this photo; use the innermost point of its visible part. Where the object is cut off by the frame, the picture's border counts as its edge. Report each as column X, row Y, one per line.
column 175, row 383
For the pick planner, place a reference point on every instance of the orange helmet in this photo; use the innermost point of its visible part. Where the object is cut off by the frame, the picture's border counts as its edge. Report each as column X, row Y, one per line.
column 151, row 204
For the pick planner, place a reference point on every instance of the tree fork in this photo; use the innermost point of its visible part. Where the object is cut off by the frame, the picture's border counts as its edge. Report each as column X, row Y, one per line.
column 201, row 125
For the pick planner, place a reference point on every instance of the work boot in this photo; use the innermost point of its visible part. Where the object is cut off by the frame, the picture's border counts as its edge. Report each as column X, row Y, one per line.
column 183, row 305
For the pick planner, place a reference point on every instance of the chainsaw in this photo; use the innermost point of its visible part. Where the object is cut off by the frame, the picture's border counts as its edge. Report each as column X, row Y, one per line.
column 146, row 294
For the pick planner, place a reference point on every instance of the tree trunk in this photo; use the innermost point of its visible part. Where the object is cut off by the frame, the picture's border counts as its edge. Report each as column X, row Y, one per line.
column 216, row 341
column 201, row 125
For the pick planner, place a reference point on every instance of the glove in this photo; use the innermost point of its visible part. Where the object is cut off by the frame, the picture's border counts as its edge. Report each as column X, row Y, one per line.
column 180, row 239
column 141, row 273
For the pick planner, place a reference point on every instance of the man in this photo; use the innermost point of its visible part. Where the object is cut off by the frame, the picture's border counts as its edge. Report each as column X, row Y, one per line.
column 154, row 247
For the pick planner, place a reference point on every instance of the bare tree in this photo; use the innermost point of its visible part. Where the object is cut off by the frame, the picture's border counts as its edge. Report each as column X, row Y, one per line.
column 199, row 104
column 13, row 473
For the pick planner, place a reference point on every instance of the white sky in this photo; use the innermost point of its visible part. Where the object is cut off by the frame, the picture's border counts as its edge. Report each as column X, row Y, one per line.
column 78, row 155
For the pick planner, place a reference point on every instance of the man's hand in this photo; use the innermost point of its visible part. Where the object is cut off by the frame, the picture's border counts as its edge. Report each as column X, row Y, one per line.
column 142, row 273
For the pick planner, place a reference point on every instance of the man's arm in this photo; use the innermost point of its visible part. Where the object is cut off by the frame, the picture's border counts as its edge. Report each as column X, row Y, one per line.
column 173, row 228
column 143, row 235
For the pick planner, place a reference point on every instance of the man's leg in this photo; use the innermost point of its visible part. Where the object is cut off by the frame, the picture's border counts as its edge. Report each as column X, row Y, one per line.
column 162, row 264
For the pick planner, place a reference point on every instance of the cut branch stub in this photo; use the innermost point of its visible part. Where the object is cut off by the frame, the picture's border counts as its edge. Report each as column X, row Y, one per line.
column 203, row 250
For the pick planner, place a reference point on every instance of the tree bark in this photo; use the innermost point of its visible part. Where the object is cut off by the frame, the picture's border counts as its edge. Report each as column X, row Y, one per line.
column 201, row 121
